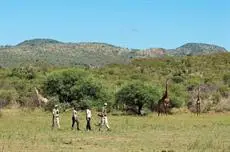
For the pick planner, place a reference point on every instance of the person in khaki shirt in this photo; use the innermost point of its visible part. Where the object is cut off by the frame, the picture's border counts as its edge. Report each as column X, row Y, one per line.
column 104, row 119
column 55, row 120
column 75, row 119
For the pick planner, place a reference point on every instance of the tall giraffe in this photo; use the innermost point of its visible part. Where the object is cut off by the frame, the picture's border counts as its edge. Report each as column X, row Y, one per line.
column 40, row 98
column 163, row 103
column 198, row 102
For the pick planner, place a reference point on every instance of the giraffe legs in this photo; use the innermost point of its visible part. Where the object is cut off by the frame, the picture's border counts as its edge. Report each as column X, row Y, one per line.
column 198, row 109
column 165, row 108
column 162, row 109
column 159, row 110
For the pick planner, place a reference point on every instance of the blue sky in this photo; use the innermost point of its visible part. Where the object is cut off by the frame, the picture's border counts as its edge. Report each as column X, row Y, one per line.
column 127, row 23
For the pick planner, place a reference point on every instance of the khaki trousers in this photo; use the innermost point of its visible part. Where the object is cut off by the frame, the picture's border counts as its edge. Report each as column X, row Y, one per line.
column 56, row 122
column 104, row 121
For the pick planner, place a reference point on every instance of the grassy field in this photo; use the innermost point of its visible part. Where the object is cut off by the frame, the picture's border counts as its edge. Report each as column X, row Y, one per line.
column 23, row 130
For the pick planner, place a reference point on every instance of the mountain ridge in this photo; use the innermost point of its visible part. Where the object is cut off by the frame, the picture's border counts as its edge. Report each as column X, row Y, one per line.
column 59, row 53
column 39, row 41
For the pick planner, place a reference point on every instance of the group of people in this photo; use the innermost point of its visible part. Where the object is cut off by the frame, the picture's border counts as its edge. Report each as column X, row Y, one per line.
column 75, row 118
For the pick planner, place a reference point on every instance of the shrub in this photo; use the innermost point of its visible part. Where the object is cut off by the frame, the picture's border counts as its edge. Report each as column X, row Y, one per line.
column 224, row 91
column 8, row 96
column 193, row 82
column 155, row 93
column 24, row 72
column 223, row 105
column 226, row 79
column 216, row 97
column 136, row 96
column 76, row 87
column 206, row 105
column 61, row 84
column 26, row 102
column 178, row 95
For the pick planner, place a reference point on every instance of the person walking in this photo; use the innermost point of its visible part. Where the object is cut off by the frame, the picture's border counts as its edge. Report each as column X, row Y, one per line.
column 88, row 119
column 104, row 119
column 55, row 120
column 75, row 119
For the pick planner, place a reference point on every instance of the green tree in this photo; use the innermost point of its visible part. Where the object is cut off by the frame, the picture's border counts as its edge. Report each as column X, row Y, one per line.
column 75, row 86
column 136, row 96
column 178, row 95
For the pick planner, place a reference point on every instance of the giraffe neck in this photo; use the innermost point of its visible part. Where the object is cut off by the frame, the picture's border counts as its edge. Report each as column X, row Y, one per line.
column 38, row 95
column 36, row 91
column 166, row 89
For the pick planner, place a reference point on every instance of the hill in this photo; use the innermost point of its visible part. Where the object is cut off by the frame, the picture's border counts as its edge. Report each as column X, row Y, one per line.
column 52, row 52
column 56, row 53
column 197, row 49
column 38, row 42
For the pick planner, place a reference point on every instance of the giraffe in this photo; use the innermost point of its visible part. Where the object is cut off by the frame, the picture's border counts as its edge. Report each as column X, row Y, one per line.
column 40, row 98
column 163, row 103
column 198, row 102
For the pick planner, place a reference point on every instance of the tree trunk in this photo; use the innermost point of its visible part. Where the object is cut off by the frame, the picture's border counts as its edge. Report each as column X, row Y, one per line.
column 139, row 109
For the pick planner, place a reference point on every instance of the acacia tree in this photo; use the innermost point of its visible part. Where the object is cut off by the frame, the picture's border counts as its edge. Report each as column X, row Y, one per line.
column 137, row 95
column 74, row 85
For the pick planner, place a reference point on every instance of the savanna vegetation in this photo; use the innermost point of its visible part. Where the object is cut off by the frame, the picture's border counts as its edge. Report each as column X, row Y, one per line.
column 138, row 85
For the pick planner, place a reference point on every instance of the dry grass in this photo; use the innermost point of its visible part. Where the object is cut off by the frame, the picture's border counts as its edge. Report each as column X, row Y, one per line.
column 31, row 131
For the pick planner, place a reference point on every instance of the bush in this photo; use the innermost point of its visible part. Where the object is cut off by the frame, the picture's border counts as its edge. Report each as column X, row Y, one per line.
column 193, row 82
column 178, row 95
column 155, row 93
column 223, row 105
column 136, row 95
column 224, row 91
column 24, row 72
column 206, row 105
column 76, row 87
column 61, row 83
column 26, row 102
column 8, row 96
column 226, row 79
column 216, row 97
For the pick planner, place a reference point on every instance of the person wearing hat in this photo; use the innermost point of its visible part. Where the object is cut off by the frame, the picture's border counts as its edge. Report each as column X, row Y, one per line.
column 75, row 118
column 55, row 120
column 104, row 119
